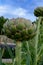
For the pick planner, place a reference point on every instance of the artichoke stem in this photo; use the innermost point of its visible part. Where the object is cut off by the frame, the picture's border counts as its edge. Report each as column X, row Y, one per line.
column 18, row 53
column 36, row 39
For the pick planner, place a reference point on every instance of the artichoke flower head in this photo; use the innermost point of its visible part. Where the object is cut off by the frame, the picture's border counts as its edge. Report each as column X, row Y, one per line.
column 19, row 29
column 38, row 11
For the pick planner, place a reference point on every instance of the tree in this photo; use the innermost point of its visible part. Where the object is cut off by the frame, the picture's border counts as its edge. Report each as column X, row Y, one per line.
column 2, row 21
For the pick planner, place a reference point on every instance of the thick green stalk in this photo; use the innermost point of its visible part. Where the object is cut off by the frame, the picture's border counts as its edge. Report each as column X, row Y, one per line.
column 36, row 41
column 18, row 53
column 28, row 54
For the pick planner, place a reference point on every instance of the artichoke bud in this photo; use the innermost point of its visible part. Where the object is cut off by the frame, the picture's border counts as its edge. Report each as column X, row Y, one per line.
column 20, row 26
column 38, row 11
column 24, row 32
column 17, row 36
column 8, row 31
column 30, row 31
column 13, row 28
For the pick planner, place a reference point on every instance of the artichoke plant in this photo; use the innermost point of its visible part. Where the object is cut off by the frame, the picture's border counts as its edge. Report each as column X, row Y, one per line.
column 20, row 30
column 38, row 12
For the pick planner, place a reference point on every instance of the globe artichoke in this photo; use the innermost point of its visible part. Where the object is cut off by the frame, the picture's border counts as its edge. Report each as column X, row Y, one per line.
column 38, row 11
column 19, row 29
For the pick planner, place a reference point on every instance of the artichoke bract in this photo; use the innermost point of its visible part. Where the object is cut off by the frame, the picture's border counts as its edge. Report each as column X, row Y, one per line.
column 38, row 11
column 19, row 29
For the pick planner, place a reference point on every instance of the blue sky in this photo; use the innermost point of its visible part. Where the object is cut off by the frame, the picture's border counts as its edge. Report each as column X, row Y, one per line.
column 19, row 8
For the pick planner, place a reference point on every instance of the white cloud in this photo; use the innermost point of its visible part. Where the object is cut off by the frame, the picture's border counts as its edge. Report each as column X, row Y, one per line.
column 13, row 11
column 19, row 12
column 2, row 10
column 16, row 12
